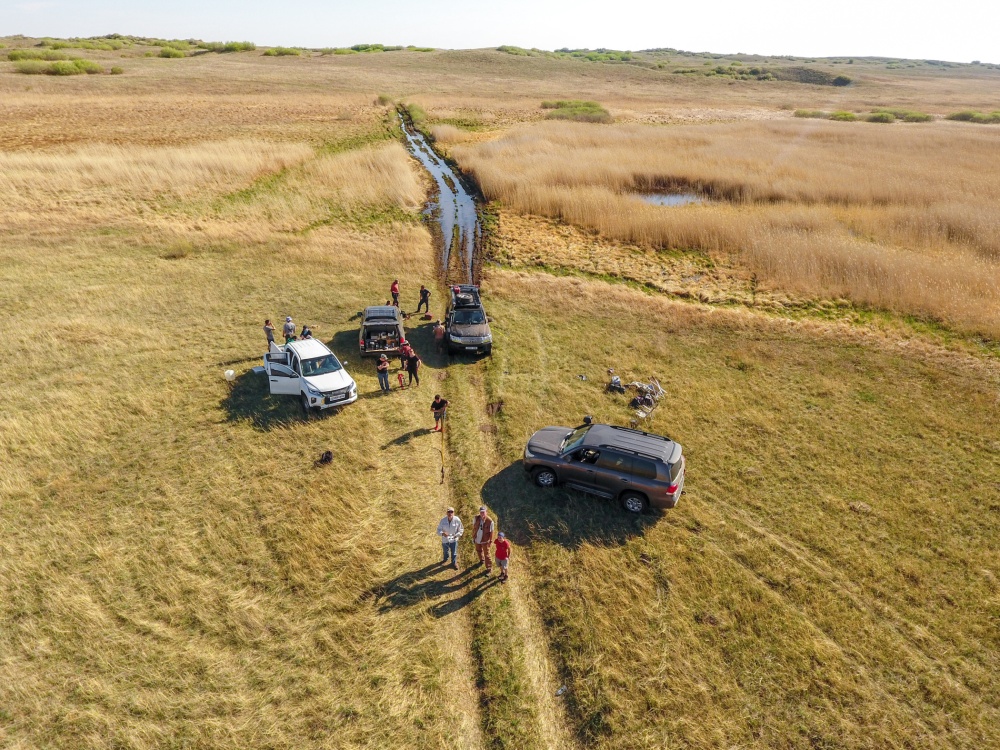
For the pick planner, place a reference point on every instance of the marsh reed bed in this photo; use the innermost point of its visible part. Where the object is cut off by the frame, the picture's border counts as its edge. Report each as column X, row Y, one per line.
column 901, row 218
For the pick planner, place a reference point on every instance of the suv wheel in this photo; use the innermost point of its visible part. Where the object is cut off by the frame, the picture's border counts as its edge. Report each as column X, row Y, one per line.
column 488, row 351
column 633, row 502
column 544, row 477
column 306, row 410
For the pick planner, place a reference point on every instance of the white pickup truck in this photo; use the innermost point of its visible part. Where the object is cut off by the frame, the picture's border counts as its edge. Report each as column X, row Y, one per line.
column 309, row 370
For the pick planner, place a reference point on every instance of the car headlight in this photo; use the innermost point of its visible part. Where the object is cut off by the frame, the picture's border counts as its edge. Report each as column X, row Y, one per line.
column 528, row 453
column 313, row 390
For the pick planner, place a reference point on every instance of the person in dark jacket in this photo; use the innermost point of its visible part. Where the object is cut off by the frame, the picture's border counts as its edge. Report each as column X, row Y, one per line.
column 412, row 368
column 382, row 370
column 425, row 299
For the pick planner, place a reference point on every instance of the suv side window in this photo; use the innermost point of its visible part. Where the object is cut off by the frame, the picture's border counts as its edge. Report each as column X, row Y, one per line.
column 643, row 468
column 614, row 462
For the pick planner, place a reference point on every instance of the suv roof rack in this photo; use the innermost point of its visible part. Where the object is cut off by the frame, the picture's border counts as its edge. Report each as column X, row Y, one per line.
column 634, row 451
column 640, row 432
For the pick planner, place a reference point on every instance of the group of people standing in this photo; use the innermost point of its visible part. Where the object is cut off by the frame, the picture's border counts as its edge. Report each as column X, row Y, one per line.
column 287, row 330
column 425, row 296
column 450, row 529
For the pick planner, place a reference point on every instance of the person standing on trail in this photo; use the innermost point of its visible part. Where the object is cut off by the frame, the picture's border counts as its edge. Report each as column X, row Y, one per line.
column 425, row 299
column 450, row 529
column 503, row 555
column 439, row 336
column 269, row 332
column 288, row 329
column 382, row 370
column 394, row 290
column 412, row 368
column 482, row 535
column 440, row 408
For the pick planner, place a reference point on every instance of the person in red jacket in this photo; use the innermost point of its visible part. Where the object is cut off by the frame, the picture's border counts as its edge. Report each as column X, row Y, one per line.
column 394, row 290
column 503, row 555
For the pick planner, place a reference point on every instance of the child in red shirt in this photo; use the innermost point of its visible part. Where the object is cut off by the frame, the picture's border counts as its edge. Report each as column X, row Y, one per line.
column 503, row 555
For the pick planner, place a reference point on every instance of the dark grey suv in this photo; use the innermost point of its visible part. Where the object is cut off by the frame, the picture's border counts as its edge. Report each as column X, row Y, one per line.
column 636, row 468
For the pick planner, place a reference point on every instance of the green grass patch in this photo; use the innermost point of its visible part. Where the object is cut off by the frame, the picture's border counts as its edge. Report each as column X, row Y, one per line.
column 884, row 117
column 58, row 68
column 16, row 55
column 843, row 116
column 980, row 118
column 282, row 52
column 578, row 110
column 904, row 115
column 171, row 52
column 417, row 114
column 228, row 46
column 816, row 114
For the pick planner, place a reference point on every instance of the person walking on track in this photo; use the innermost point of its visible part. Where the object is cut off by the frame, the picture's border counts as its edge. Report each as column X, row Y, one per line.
column 440, row 408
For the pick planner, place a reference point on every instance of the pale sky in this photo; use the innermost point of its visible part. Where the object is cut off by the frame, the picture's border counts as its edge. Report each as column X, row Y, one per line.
column 959, row 30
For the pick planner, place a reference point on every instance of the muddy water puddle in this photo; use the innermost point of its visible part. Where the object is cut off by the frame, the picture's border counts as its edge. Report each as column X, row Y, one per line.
column 453, row 207
column 672, row 199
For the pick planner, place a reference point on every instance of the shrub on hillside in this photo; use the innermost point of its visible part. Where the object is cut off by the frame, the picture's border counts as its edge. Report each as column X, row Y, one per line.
column 282, row 52
column 993, row 118
column 35, row 54
column 170, row 52
column 31, row 67
column 843, row 116
column 228, row 46
column 816, row 114
column 58, row 67
column 841, row 81
column 117, row 70
column 881, row 117
column 906, row 115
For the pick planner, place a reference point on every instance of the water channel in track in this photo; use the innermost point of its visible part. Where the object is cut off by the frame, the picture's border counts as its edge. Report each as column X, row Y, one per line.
column 453, row 207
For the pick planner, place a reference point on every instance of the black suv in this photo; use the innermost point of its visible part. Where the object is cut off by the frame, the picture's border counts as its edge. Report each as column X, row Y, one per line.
column 636, row 468
column 467, row 327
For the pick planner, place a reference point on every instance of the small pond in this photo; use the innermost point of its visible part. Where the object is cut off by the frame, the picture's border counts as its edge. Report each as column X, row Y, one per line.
column 671, row 199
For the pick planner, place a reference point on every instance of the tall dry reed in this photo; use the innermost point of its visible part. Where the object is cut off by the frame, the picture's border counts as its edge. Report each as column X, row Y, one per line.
column 904, row 219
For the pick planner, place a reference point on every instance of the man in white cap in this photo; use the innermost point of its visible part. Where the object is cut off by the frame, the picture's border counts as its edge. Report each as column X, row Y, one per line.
column 288, row 329
column 450, row 529
column 482, row 535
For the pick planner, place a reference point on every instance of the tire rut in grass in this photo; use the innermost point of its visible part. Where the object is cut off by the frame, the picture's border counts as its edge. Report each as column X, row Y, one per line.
column 516, row 679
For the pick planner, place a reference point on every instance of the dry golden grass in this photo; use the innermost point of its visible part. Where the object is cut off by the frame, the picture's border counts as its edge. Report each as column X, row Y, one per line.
column 897, row 218
column 829, row 578
column 176, row 572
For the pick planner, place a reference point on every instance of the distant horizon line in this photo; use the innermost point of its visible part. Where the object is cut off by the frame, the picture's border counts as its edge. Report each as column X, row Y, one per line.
column 403, row 47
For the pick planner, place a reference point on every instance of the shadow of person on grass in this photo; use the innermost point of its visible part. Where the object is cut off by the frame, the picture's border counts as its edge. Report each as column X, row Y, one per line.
column 431, row 582
column 570, row 518
column 407, row 437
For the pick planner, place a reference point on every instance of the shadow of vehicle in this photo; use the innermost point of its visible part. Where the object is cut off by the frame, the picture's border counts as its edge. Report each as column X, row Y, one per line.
column 249, row 401
column 566, row 517
column 412, row 588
